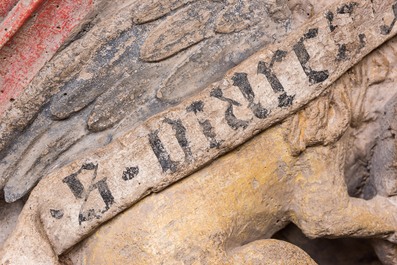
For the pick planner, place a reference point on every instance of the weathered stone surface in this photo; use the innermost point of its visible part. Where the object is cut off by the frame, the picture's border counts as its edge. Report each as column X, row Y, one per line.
column 8, row 218
column 193, row 24
column 279, row 253
column 385, row 251
column 113, row 83
column 144, row 11
column 341, row 251
column 289, row 183
column 206, row 216
column 108, row 52
column 322, row 122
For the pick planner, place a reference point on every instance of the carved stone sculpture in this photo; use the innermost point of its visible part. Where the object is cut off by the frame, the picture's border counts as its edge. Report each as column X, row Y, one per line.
column 198, row 136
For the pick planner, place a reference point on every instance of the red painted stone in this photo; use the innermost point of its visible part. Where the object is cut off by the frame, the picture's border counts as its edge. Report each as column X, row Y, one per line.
column 35, row 30
column 5, row 7
column 15, row 19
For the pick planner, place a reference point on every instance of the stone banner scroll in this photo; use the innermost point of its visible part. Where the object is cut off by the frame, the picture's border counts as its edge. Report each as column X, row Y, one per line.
column 69, row 204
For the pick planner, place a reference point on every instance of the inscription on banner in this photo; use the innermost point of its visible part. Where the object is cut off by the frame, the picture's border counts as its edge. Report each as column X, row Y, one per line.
column 248, row 101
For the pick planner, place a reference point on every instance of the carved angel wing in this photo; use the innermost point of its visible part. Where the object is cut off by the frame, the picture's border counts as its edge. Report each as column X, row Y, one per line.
column 124, row 67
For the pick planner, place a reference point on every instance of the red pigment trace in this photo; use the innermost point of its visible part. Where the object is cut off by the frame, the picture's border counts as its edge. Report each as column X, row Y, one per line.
column 31, row 31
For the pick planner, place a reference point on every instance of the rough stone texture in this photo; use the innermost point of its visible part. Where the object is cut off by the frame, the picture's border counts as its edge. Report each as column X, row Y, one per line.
column 279, row 253
column 341, row 251
column 373, row 146
column 323, row 121
column 191, row 222
column 304, row 159
column 105, row 81
column 9, row 213
column 115, row 85
column 112, row 45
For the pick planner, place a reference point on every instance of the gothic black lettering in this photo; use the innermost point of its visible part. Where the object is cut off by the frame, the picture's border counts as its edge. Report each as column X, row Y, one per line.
column 304, row 57
column 384, row 29
column 207, row 129
column 80, row 192
column 342, row 53
column 180, row 134
column 362, row 38
column 57, row 214
column 277, row 87
column 162, row 155
column 130, row 173
column 105, row 193
column 74, row 185
column 330, row 17
column 347, row 8
column 241, row 81
column 231, row 119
